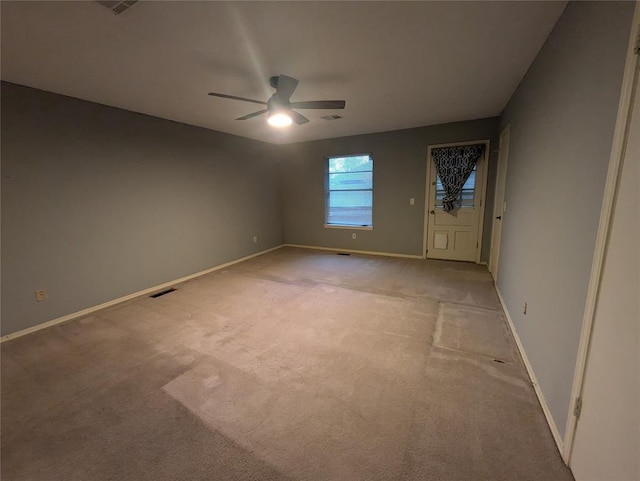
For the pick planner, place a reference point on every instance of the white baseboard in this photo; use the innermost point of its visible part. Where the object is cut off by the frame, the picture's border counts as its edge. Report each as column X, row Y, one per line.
column 534, row 380
column 113, row 302
column 355, row 251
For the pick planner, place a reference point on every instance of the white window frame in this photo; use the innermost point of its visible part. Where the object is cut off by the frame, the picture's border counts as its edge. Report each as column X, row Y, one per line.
column 326, row 193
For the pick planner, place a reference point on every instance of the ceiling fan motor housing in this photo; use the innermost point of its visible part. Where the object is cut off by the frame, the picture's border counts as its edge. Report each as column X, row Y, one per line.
column 276, row 103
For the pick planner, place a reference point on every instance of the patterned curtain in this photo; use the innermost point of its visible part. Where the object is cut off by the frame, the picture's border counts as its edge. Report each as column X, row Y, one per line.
column 454, row 165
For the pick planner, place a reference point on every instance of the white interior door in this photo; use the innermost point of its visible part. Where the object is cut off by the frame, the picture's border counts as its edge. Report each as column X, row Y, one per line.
column 607, row 438
column 499, row 205
column 456, row 235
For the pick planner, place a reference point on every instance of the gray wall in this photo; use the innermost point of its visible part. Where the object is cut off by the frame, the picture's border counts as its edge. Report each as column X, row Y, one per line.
column 399, row 171
column 98, row 203
column 562, row 118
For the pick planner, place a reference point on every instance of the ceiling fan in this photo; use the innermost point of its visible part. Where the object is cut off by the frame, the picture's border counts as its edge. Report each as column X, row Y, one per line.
column 279, row 108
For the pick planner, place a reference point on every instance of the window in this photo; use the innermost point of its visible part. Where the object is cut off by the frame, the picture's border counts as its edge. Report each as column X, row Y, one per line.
column 349, row 191
column 467, row 194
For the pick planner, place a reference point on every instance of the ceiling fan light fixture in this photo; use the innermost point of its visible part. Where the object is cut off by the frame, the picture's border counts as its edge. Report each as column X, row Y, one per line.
column 281, row 112
column 279, row 119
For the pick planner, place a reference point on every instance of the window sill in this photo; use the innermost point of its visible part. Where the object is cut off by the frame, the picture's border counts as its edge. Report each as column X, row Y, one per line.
column 349, row 227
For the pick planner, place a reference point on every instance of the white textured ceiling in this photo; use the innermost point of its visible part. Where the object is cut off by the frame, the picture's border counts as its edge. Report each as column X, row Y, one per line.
column 397, row 64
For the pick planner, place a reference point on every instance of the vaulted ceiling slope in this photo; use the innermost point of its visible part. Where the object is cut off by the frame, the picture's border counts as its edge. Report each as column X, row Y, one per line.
column 397, row 64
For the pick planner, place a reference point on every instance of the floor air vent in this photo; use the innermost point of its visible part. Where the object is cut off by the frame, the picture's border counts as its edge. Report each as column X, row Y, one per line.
column 162, row 293
column 117, row 6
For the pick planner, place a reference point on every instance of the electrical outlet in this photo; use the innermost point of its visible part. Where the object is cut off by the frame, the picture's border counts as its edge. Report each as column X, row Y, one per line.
column 41, row 295
column 524, row 310
column 353, row 236
column 255, row 238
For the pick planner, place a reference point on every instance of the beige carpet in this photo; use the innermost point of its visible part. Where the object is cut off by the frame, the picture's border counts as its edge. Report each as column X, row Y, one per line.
column 295, row 365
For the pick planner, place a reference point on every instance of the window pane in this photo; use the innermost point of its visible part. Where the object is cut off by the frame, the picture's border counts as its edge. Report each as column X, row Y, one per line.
column 349, row 186
column 350, row 207
column 352, row 180
column 350, row 164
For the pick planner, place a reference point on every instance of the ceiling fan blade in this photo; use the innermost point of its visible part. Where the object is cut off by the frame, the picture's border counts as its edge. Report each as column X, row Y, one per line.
column 233, row 97
column 285, row 87
column 319, row 104
column 298, row 118
column 251, row 115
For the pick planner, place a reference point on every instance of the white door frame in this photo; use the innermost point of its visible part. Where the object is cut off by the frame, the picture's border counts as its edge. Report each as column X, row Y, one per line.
column 483, row 191
column 498, row 202
column 623, row 122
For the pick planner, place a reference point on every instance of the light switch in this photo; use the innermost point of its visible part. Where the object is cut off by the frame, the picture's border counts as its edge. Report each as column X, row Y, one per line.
column 412, row 201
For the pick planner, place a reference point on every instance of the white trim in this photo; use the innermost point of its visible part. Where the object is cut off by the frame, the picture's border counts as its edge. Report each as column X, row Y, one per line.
column 459, row 144
column 355, row 251
column 618, row 148
column 348, row 227
column 498, row 203
column 483, row 192
column 483, row 198
column 427, row 200
column 532, row 376
column 119, row 300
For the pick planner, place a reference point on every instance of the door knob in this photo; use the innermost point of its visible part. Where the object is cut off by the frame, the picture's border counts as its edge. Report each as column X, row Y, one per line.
column 432, row 212
column 499, row 217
